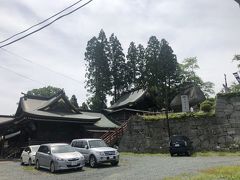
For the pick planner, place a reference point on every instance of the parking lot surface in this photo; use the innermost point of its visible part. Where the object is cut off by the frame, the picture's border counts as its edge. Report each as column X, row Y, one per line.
column 131, row 167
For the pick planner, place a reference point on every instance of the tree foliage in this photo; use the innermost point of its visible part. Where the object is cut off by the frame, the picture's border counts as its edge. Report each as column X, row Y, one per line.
column 161, row 70
column 117, row 67
column 98, row 73
column 154, row 68
column 74, row 102
column 190, row 77
column 84, row 106
column 45, row 91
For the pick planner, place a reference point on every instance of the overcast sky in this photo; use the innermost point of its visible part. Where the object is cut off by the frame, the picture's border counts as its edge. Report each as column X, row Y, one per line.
column 207, row 29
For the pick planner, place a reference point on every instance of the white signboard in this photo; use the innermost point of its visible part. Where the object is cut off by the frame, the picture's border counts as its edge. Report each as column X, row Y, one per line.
column 185, row 103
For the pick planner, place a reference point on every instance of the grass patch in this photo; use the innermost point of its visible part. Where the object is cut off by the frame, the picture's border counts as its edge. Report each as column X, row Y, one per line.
column 144, row 154
column 29, row 168
column 223, row 173
column 181, row 115
column 196, row 154
column 216, row 153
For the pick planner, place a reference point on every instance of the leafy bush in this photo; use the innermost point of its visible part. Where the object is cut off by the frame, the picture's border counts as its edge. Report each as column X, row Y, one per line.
column 206, row 107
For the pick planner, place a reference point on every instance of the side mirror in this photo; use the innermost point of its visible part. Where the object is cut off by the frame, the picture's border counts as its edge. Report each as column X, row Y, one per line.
column 115, row 147
column 86, row 146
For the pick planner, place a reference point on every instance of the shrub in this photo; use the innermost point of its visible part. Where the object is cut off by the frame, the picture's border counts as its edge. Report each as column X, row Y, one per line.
column 206, row 107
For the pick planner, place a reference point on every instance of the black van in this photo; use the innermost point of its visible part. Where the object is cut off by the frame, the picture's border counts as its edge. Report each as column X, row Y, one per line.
column 180, row 145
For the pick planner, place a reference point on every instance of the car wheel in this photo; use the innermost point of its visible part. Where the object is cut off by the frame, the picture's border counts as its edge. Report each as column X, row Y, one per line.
column 79, row 168
column 188, row 153
column 114, row 163
column 37, row 165
column 92, row 161
column 22, row 163
column 29, row 162
column 172, row 154
column 52, row 167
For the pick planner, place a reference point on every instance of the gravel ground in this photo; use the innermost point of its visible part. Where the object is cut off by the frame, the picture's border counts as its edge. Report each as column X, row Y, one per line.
column 131, row 167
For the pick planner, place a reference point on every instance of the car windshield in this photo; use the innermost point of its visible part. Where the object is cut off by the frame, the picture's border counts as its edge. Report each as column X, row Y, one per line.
column 62, row 149
column 34, row 148
column 97, row 143
column 179, row 138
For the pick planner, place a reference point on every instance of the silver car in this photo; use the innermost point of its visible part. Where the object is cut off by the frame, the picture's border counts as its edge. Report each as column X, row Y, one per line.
column 58, row 156
column 28, row 155
column 96, row 151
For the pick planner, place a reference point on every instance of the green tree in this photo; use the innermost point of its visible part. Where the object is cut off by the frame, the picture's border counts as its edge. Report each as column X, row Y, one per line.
column 118, row 67
column 132, row 64
column 45, row 91
column 168, row 66
column 189, row 76
column 189, row 67
column 141, row 66
column 96, row 103
column 74, row 102
column 98, row 74
column 152, row 62
column 84, row 106
column 161, row 71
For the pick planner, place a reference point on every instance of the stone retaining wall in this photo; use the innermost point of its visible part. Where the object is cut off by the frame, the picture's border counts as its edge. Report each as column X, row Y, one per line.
column 212, row 133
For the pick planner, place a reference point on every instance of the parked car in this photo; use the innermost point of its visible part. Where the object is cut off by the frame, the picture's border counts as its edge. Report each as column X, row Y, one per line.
column 28, row 155
column 56, row 156
column 96, row 151
column 180, row 145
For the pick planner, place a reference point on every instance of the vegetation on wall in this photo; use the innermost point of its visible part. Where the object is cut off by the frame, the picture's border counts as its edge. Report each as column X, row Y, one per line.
column 182, row 115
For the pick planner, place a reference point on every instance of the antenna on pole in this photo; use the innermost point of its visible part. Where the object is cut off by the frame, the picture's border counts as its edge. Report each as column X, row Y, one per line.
column 225, row 86
column 225, row 78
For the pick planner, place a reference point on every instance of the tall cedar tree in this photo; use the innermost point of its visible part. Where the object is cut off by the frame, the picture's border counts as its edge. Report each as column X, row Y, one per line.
column 141, row 67
column 152, row 73
column 132, row 65
column 118, row 67
column 161, row 70
column 74, row 102
column 98, row 71
column 168, row 70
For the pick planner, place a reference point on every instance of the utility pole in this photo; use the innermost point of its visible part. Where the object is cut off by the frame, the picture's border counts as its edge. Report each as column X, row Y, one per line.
column 166, row 110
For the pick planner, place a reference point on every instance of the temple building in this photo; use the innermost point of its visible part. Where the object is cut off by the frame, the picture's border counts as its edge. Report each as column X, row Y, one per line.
column 49, row 119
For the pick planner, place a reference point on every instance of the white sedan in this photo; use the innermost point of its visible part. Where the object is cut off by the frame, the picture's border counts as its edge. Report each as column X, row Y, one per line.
column 28, row 155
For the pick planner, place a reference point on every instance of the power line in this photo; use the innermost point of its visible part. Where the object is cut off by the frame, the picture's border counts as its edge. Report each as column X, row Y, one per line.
column 46, row 24
column 23, row 76
column 41, row 22
column 45, row 67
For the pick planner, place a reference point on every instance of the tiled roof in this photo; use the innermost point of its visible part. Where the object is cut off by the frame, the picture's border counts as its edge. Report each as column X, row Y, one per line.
column 104, row 122
column 128, row 99
column 33, row 105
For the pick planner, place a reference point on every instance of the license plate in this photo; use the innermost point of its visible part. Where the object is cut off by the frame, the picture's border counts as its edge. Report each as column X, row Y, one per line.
column 112, row 157
column 177, row 145
column 74, row 163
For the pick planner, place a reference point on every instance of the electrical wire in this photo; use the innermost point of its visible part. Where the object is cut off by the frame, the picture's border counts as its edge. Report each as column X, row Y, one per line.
column 23, row 76
column 18, row 39
column 45, row 67
column 41, row 22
